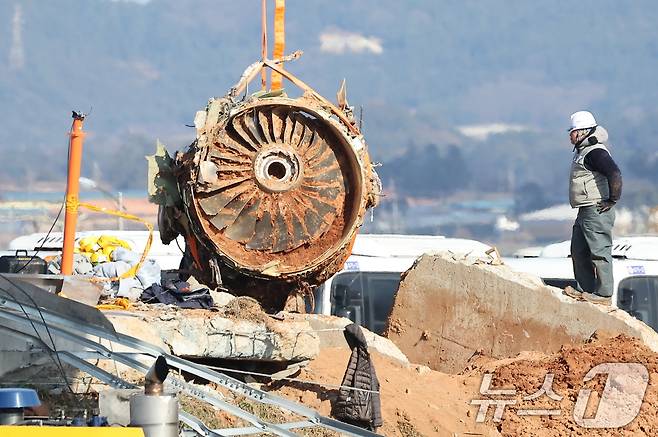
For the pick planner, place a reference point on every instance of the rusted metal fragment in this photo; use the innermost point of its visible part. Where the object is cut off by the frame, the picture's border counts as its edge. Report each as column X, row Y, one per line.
column 231, row 211
column 225, row 182
column 245, row 134
column 213, row 204
column 312, row 222
column 282, row 240
column 230, row 157
column 279, row 124
column 249, row 121
column 243, row 228
column 208, row 172
column 262, row 239
column 299, row 234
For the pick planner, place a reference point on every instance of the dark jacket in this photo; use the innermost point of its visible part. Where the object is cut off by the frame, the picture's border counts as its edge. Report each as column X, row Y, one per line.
column 359, row 407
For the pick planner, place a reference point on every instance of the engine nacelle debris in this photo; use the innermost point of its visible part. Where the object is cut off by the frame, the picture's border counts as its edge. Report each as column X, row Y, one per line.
column 270, row 195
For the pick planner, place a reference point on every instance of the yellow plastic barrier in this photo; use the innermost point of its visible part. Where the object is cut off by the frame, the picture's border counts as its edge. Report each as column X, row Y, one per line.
column 99, row 249
column 133, row 271
column 69, row 431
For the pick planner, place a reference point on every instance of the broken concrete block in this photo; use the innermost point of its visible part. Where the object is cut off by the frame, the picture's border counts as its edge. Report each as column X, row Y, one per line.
column 221, row 298
column 207, row 334
column 447, row 310
column 329, row 330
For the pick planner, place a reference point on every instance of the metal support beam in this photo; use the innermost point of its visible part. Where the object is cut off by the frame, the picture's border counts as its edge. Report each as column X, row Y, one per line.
column 74, row 331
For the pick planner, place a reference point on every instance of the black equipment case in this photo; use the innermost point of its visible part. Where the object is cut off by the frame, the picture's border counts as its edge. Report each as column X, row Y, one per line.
column 22, row 264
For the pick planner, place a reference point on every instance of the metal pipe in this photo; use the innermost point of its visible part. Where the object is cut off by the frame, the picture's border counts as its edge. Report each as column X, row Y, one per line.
column 155, row 377
column 154, row 411
column 72, row 192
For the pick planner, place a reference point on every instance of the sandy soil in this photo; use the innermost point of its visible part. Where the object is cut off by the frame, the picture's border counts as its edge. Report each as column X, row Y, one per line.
column 417, row 401
column 569, row 366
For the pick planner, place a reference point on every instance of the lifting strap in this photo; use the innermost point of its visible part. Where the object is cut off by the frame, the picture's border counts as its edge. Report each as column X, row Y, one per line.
column 279, row 40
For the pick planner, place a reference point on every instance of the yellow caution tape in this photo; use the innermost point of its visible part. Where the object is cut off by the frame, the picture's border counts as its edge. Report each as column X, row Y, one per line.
column 72, row 203
column 133, row 270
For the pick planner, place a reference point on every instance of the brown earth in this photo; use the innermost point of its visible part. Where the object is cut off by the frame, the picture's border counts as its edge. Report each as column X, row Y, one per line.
column 417, row 401
column 569, row 366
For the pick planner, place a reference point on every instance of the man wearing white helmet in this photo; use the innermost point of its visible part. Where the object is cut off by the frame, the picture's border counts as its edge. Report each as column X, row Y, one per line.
column 594, row 188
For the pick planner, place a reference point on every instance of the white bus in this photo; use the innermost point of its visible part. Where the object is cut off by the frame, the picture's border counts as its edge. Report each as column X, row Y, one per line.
column 635, row 270
column 364, row 289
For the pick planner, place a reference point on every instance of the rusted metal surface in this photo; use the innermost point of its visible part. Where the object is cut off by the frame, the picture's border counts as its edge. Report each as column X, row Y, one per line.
column 273, row 191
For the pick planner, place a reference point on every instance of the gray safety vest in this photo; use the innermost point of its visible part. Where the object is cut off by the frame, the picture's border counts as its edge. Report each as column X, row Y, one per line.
column 586, row 187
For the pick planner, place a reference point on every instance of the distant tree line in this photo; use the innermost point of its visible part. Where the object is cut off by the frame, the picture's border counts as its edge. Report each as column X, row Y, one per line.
column 427, row 172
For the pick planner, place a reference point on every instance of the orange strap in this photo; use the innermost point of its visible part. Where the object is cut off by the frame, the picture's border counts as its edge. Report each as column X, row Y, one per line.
column 279, row 40
column 194, row 250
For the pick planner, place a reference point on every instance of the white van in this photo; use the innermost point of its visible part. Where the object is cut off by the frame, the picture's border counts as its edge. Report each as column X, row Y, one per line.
column 364, row 289
column 635, row 270
column 167, row 256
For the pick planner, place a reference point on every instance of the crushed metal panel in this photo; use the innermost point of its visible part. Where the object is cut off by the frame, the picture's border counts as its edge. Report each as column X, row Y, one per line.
column 23, row 293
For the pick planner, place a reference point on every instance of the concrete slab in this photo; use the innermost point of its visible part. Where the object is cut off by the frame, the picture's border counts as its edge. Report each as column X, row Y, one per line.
column 208, row 334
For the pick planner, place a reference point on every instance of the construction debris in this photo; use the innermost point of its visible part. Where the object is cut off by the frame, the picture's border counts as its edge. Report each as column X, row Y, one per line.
column 447, row 310
column 234, row 333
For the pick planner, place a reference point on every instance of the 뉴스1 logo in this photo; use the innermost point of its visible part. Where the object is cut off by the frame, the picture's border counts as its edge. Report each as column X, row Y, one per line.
column 619, row 403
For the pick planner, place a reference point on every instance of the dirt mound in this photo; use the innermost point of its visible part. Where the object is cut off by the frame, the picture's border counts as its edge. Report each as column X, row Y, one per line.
column 245, row 308
column 569, row 367
column 416, row 401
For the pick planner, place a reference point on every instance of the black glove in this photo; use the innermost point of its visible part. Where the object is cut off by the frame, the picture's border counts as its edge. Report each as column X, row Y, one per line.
column 604, row 206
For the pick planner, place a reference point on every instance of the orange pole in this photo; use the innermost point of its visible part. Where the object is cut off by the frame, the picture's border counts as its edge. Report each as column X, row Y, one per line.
column 72, row 192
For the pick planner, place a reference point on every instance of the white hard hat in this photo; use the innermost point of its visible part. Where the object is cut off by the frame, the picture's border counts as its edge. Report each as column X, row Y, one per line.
column 582, row 120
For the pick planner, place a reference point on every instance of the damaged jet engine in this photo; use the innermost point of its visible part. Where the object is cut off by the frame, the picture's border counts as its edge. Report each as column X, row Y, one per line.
column 271, row 193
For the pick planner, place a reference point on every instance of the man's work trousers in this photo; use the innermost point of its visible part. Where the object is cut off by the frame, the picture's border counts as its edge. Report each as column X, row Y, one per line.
column 591, row 250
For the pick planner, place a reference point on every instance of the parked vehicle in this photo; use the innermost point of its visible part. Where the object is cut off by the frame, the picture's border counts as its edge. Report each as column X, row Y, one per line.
column 635, row 270
column 364, row 289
